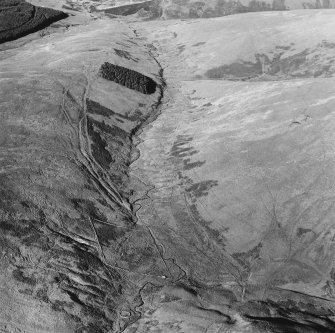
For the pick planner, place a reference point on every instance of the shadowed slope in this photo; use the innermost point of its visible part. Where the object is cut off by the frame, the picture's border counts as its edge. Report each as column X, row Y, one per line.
column 19, row 18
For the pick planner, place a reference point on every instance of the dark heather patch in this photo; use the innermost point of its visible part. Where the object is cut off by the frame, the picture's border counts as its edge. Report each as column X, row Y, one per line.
column 137, row 116
column 20, row 228
column 236, row 70
column 21, row 277
column 288, row 65
column 198, row 44
column 25, row 204
column 125, row 10
column 88, row 207
column 125, row 54
column 128, row 78
column 190, row 165
column 181, row 48
column 202, row 188
column 111, row 130
column 178, row 149
column 119, row 145
column 295, row 66
column 282, row 47
column 187, row 288
column 302, row 231
column 332, row 274
column 42, row 295
column 96, row 108
column 246, row 258
column 328, row 45
column 98, row 145
column 187, row 153
column 109, row 233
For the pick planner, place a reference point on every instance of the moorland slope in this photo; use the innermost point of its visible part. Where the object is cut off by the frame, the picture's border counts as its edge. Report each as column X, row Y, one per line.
column 168, row 175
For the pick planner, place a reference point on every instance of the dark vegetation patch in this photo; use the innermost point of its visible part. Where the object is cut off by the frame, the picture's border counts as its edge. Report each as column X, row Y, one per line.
column 198, row 9
column 182, row 9
column 128, row 78
column 181, row 48
column 21, row 277
column 137, row 254
column 19, row 18
column 125, row 54
column 88, row 208
column 112, row 130
column 317, row 4
column 179, row 150
column 110, row 233
column 246, row 259
column 99, row 145
column 302, row 231
column 27, row 231
column 112, row 149
column 42, row 294
column 119, row 145
column 202, row 188
column 198, row 44
column 332, row 274
column 151, row 7
column 7, row 195
column 299, row 65
column 85, row 262
column 191, row 165
column 238, row 70
column 191, row 290
column 72, row 6
column 96, row 108
column 283, row 47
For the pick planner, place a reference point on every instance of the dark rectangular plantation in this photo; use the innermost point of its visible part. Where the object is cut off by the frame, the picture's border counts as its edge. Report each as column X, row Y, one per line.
column 128, row 78
column 19, row 18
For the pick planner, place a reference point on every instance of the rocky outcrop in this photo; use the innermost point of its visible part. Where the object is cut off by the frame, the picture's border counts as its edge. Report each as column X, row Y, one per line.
column 19, row 18
column 128, row 78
